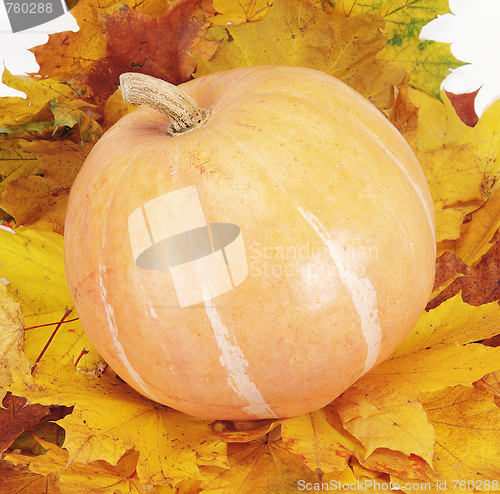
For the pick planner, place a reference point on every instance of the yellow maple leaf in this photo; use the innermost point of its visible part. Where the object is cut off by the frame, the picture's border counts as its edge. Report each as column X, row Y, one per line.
column 455, row 182
column 115, row 109
column 313, row 439
column 460, row 165
column 439, row 125
column 42, row 190
column 379, row 418
column 492, row 382
column 76, row 478
column 15, row 162
column 236, row 13
column 467, row 450
column 487, row 140
column 382, row 408
column 261, row 467
column 428, row 62
column 19, row 479
column 296, row 33
column 11, row 340
column 32, row 261
column 69, row 53
column 73, row 113
column 477, row 234
column 397, row 464
column 448, row 225
column 110, row 418
column 451, row 328
column 16, row 110
column 453, row 176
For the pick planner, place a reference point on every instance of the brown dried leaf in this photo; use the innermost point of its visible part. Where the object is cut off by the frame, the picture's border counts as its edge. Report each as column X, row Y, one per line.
column 136, row 42
column 404, row 113
column 17, row 416
column 464, row 106
column 479, row 285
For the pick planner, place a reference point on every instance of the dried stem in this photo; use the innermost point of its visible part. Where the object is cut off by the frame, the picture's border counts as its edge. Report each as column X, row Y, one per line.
column 183, row 112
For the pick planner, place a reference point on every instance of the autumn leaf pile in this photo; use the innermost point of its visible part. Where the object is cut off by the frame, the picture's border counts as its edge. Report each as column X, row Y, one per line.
column 427, row 415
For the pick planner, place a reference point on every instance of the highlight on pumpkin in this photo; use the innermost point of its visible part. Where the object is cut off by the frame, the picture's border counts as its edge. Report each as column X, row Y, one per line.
column 204, row 259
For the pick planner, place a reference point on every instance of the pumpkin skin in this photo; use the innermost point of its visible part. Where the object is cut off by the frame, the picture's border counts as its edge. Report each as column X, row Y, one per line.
column 330, row 248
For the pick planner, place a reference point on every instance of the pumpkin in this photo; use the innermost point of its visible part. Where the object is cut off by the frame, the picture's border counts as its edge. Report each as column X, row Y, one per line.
column 248, row 244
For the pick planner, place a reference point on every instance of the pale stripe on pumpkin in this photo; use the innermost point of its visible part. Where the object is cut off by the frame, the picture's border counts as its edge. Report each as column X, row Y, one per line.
column 410, row 180
column 234, row 361
column 361, row 290
column 113, row 329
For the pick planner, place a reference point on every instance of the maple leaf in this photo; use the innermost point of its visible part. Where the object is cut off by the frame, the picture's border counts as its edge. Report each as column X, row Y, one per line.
column 456, row 185
column 259, row 466
column 453, row 176
column 239, row 12
column 428, row 62
column 316, row 442
column 68, row 53
column 303, row 35
column 115, row 109
column 16, row 416
column 110, row 418
column 395, row 463
column 439, row 125
column 478, row 285
column 492, row 381
column 18, row 111
column 11, row 340
column 76, row 478
column 448, row 224
column 404, row 113
column 43, row 193
column 382, row 408
column 446, row 146
column 75, row 113
column 120, row 38
column 393, row 422
column 476, row 234
column 487, row 141
column 467, row 425
column 19, row 479
column 464, row 106
column 32, row 261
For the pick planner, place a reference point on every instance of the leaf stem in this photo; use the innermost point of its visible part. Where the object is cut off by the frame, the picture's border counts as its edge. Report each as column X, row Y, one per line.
column 490, row 387
column 82, row 353
column 183, row 112
column 67, row 312
column 51, row 324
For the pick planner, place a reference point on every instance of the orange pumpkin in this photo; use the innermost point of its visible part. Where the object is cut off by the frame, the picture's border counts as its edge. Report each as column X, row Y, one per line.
column 254, row 247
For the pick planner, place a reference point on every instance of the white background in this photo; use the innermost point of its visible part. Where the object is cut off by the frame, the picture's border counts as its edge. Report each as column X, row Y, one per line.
column 473, row 29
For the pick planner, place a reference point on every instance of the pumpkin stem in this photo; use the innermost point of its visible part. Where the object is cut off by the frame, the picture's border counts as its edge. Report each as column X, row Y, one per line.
column 183, row 112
